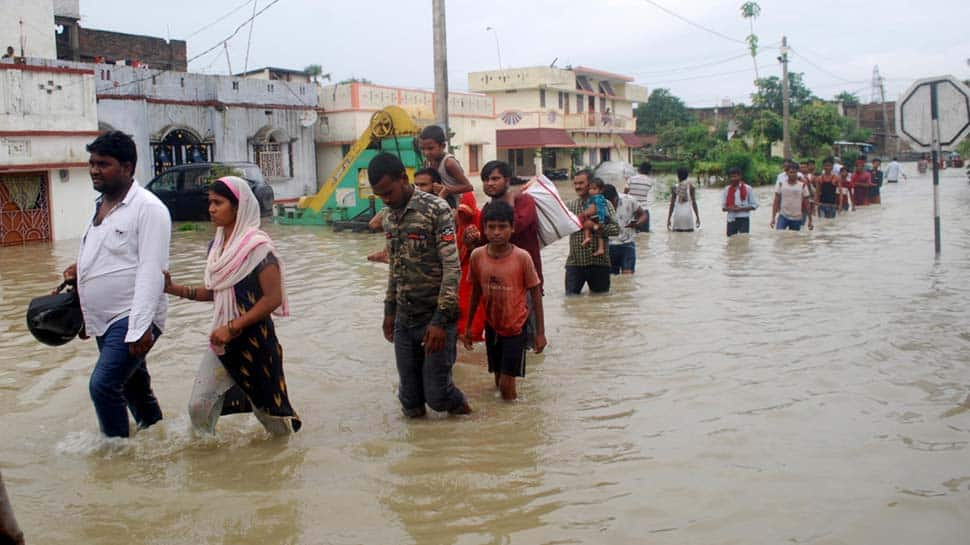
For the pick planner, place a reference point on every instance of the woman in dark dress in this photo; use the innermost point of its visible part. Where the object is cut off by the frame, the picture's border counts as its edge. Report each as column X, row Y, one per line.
column 242, row 369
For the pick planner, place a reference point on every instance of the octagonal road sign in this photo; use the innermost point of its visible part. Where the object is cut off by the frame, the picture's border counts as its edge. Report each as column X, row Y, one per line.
column 914, row 115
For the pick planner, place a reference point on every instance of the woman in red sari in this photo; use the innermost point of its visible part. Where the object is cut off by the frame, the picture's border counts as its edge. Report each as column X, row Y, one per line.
column 467, row 216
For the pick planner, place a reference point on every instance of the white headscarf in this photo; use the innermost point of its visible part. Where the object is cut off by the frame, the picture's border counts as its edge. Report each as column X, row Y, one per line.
column 246, row 248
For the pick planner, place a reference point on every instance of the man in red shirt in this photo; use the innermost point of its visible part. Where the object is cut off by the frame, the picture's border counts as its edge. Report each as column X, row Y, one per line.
column 861, row 182
column 496, row 179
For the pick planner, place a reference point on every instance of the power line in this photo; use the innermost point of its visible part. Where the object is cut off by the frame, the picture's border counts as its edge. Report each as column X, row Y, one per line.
column 697, row 25
column 234, row 32
column 653, row 73
column 706, row 76
column 823, row 70
column 220, row 19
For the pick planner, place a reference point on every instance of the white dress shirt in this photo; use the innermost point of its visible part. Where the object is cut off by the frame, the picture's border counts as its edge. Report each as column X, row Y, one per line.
column 120, row 264
column 626, row 211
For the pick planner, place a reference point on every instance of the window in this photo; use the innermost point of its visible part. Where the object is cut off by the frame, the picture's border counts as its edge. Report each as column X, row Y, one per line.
column 607, row 89
column 560, row 100
column 273, row 152
column 235, row 86
column 516, row 157
column 579, row 104
column 269, row 157
column 167, row 182
column 582, row 84
column 542, row 98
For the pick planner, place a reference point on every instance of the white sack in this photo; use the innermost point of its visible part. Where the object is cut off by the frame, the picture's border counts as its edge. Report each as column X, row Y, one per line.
column 555, row 220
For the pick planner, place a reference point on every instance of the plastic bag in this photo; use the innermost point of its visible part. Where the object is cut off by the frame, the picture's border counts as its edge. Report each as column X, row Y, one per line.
column 555, row 220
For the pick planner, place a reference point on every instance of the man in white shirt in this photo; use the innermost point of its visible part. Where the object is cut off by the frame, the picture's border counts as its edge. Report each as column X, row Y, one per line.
column 119, row 273
column 638, row 186
column 629, row 215
column 791, row 204
column 894, row 171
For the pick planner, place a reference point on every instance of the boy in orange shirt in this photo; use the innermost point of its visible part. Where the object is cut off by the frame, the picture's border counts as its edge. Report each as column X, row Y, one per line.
column 501, row 274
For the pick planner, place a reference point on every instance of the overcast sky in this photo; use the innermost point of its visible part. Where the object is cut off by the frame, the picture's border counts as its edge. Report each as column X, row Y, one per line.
column 835, row 43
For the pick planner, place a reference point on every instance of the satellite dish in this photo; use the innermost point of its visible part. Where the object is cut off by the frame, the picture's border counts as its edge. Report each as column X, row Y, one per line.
column 308, row 118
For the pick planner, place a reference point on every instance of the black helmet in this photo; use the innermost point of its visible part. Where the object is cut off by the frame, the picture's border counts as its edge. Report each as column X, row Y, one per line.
column 55, row 319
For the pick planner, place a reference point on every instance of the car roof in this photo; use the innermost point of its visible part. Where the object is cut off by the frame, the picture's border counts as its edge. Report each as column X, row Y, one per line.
column 216, row 163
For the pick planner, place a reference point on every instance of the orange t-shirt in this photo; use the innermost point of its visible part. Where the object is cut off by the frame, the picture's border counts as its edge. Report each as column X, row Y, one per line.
column 503, row 282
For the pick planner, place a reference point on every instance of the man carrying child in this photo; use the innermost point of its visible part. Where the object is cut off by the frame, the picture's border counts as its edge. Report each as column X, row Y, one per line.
column 502, row 274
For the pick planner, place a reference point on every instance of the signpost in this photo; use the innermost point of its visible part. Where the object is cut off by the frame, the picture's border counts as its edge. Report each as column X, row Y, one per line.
column 934, row 115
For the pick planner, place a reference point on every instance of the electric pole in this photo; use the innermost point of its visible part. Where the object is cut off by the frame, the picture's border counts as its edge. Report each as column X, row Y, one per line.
column 440, row 65
column 785, row 113
column 877, row 77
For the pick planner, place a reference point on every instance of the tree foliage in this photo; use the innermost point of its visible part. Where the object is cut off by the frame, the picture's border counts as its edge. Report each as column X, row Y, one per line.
column 751, row 11
column 815, row 127
column 769, row 93
column 315, row 71
column 661, row 108
column 848, row 99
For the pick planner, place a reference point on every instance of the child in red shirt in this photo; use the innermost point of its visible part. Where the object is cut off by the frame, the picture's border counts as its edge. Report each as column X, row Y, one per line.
column 501, row 274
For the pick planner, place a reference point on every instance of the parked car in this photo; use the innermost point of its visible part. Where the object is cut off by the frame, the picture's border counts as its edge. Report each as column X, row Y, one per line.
column 185, row 188
column 955, row 160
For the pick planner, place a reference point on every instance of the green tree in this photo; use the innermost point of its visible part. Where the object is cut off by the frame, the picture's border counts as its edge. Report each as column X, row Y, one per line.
column 851, row 131
column 660, row 109
column 815, row 127
column 763, row 126
column 848, row 99
column 751, row 11
column 687, row 142
column 315, row 71
column 964, row 148
column 769, row 94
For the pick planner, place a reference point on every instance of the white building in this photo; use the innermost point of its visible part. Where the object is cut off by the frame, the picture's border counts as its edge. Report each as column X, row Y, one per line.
column 178, row 117
column 346, row 110
column 557, row 118
column 47, row 116
column 28, row 27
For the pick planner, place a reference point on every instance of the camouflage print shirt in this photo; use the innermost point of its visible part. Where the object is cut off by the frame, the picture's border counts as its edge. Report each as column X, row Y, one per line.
column 422, row 285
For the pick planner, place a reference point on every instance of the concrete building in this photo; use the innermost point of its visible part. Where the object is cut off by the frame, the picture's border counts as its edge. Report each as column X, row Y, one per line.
column 178, row 117
column 346, row 110
column 550, row 118
column 27, row 27
column 47, row 115
column 79, row 44
column 869, row 116
column 274, row 73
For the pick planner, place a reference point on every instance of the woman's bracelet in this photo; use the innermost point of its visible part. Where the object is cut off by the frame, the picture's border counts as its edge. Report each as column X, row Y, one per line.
column 232, row 331
column 188, row 293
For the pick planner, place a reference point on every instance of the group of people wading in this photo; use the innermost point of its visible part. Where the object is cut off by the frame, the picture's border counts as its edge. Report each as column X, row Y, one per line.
column 456, row 273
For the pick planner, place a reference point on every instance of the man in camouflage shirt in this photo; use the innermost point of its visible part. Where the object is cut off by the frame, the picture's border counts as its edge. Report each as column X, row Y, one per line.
column 582, row 267
column 421, row 306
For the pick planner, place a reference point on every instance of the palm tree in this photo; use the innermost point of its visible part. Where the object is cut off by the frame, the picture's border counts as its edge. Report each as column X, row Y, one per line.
column 751, row 11
column 315, row 71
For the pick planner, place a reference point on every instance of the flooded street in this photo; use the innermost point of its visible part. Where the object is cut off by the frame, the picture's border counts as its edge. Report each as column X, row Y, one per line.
column 805, row 387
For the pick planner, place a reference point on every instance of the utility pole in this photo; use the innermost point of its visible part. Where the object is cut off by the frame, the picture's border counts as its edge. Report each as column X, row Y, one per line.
column 885, row 116
column 785, row 98
column 440, row 64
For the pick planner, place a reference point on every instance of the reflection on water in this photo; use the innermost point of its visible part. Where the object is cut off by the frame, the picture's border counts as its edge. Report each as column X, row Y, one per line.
column 778, row 387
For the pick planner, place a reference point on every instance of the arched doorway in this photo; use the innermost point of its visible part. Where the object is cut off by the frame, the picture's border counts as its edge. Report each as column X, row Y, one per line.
column 272, row 151
column 178, row 147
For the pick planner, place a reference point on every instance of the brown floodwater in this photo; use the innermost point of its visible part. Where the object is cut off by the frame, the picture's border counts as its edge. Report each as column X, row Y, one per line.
column 776, row 388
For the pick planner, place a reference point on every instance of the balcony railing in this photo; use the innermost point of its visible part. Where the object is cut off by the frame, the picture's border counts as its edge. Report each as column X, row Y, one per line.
column 590, row 121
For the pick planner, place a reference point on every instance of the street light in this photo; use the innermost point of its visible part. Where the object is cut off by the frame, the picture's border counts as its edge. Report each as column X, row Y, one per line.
column 498, row 51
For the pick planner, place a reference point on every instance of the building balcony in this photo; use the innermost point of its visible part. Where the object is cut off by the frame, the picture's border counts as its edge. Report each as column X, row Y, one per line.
column 586, row 121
